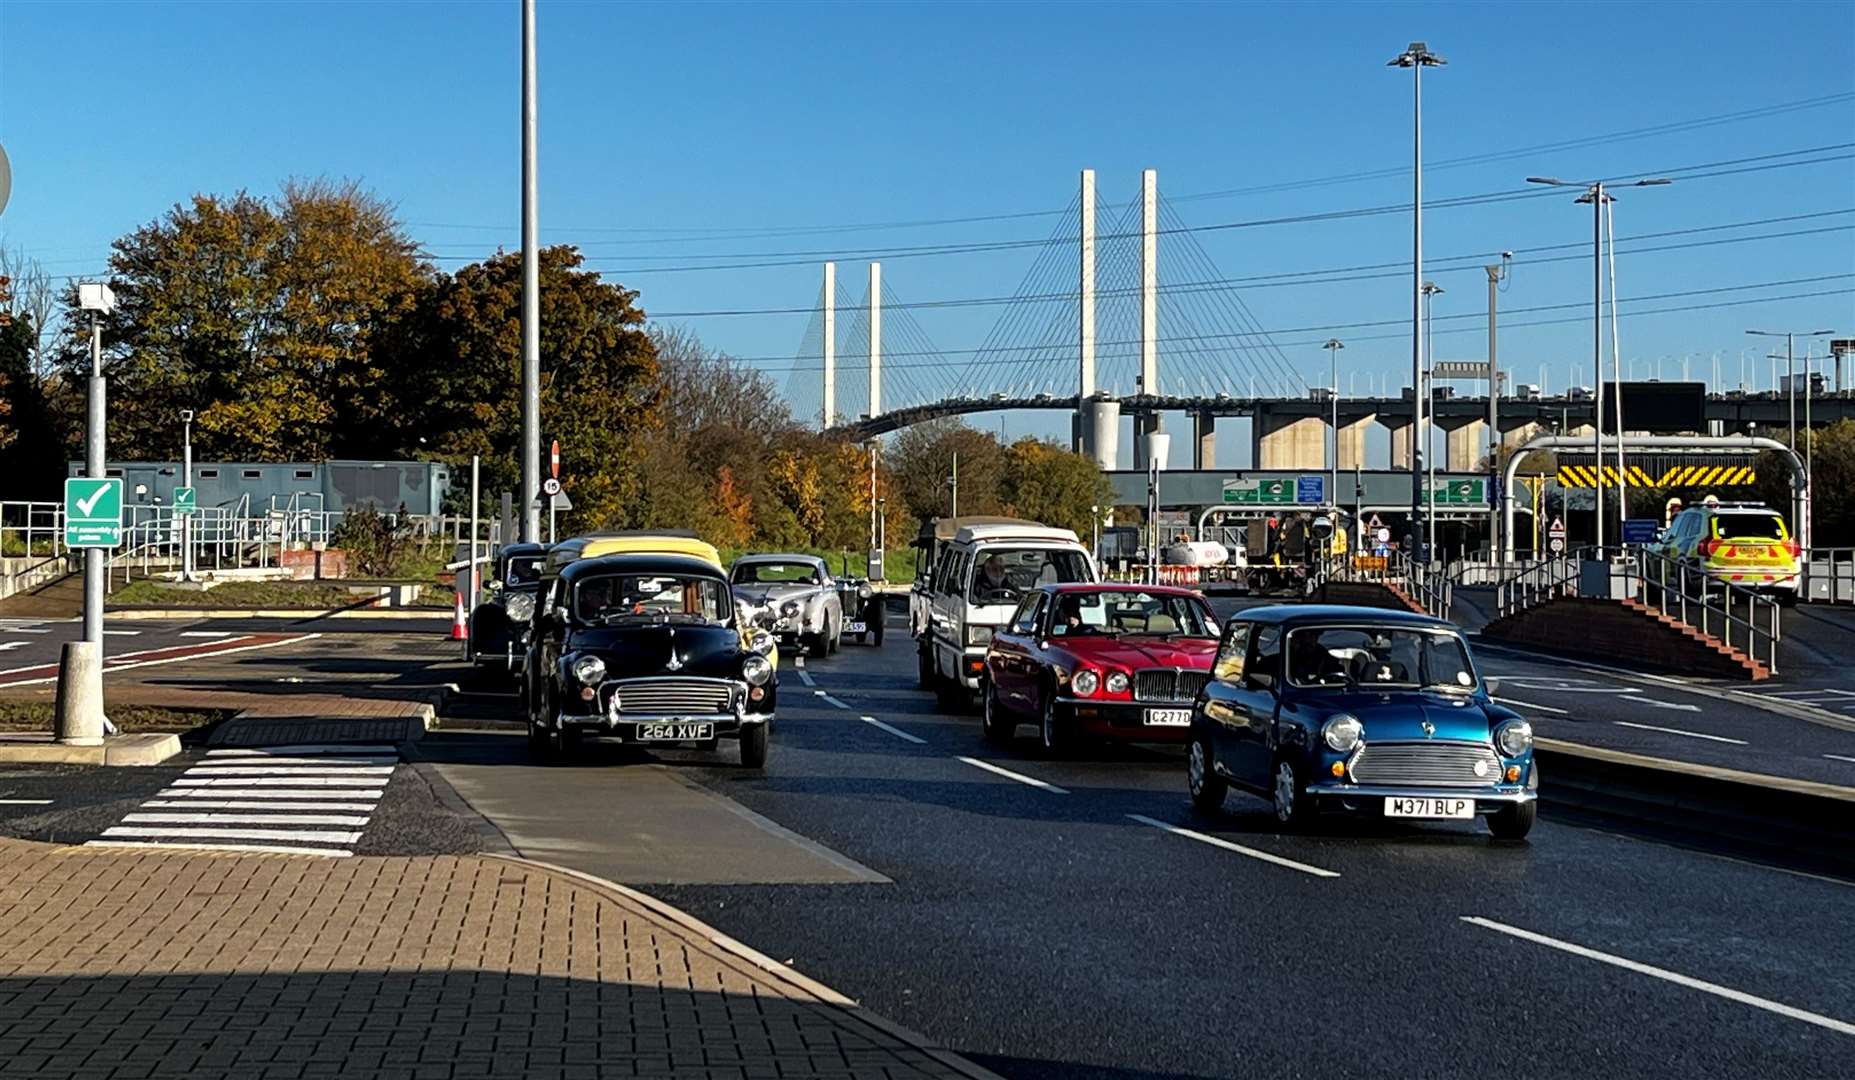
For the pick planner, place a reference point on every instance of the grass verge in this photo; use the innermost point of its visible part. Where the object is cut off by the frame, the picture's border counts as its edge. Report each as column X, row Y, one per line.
column 38, row 716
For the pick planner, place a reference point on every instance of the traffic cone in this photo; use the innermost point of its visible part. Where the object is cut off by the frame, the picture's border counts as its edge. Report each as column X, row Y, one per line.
column 458, row 631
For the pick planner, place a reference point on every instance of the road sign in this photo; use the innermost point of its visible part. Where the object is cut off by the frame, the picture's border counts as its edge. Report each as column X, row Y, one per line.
column 92, row 512
column 556, row 501
column 553, row 460
column 1555, row 536
column 1310, row 489
column 550, row 486
column 1462, row 492
column 1640, row 530
column 1382, row 535
column 1460, row 369
column 1277, row 492
column 185, row 501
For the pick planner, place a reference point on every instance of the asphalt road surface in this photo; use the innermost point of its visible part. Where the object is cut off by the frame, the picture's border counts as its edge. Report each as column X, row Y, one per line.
column 1075, row 918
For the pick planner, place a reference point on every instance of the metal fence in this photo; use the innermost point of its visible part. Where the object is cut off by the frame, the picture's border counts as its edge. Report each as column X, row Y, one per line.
column 1430, row 585
column 31, row 528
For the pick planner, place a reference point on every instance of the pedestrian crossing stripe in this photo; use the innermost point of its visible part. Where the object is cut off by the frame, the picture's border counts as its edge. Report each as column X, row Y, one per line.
column 1585, row 476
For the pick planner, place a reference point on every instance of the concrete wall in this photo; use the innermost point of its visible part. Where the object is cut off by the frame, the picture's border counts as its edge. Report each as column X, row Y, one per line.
column 1400, row 445
column 29, row 572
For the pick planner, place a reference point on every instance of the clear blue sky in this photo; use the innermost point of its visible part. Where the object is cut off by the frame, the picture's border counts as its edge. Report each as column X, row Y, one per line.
column 691, row 118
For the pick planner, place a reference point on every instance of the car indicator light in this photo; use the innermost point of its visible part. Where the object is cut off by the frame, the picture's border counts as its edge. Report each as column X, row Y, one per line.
column 587, row 693
column 1513, row 773
column 1339, row 768
column 758, row 693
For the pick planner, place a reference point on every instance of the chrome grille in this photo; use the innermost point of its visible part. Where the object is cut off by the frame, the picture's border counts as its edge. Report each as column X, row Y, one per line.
column 1441, row 764
column 1168, row 684
column 680, row 697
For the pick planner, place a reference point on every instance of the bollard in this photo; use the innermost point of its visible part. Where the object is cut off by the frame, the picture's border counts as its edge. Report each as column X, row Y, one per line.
column 78, row 719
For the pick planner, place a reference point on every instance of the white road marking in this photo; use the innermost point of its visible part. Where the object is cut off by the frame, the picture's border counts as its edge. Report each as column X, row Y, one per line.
column 1009, row 775
column 216, row 769
column 218, row 791
column 244, row 819
column 1666, row 704
column 806, row 677
column 123, row 633
column 24, row 630
column 897, row 732
column 327, row 762
column 7, row 646
column 1820, row 691
column 35, row 802
column 265, row 849
column 1840, row 1026
column 252, row 804
column 1530, row 705
column 110, row 667
column 326, row 836
column 280, row 781
column 305, row 748
column 206, row 633
column 1220, row 842
column 1839, row 757
column 1678, row 731
column 830, row 699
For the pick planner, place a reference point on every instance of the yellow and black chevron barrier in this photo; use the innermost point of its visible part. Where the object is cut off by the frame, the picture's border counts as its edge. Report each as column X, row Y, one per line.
column 1584, row 476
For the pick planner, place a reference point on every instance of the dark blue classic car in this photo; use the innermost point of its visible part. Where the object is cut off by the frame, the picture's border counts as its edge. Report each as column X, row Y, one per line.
column 1379, row 713
column 499, row 625
column 647, row 649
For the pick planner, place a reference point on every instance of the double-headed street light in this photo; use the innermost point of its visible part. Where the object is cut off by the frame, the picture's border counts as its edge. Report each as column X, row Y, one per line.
column 1597, row 193
column 1416, row 56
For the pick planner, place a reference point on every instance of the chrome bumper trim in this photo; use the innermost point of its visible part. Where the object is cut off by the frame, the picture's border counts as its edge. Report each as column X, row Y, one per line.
column 1392, row 791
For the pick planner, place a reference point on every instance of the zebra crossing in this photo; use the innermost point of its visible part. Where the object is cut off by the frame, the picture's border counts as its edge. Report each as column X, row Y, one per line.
column 313, row 799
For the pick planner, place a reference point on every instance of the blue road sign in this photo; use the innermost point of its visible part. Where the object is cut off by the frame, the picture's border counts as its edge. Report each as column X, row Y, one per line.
column 1640, row 530
column 1310, row 489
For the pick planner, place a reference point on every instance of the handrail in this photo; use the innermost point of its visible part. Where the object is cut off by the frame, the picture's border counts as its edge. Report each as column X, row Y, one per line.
column 1431, row 586
column 1759, row 627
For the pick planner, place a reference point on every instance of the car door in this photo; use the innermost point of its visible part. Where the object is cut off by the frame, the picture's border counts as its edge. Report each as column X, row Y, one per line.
column 950, row 613
column 1254, row 702
column 1013, row 653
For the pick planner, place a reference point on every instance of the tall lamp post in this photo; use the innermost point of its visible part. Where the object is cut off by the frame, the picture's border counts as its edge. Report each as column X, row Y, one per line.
column 1333, row 347
column 1430, row 289
column 531, row 292
column 186, row 480
column 1790, row 390
column 96, row 298
column 1597, row 193
column 1416, row 56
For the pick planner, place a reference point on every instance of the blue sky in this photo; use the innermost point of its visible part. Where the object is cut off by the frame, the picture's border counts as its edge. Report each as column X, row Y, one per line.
column 673, row 131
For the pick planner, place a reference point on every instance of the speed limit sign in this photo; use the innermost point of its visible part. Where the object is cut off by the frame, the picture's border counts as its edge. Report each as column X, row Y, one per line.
column 1556, row 545
column 551, row 486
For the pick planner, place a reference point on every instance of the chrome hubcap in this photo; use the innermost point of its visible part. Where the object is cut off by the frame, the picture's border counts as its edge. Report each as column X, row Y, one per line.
column 1284, row 791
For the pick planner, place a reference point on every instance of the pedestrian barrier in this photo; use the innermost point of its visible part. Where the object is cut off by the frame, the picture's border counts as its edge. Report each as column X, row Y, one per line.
column 1428, row 587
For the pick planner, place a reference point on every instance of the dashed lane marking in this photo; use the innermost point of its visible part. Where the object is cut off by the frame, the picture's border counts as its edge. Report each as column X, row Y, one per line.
column 40, row 802
column 1530, row 705
column 1220, row 842
column 1839, row 757
column 206, row 633
column 897, row 732
column 122, row 633
column 1019, row 777
column 829, row 698
column 804, row 675
column 1840, row 1026
column 1678, row 731
column 7, row 646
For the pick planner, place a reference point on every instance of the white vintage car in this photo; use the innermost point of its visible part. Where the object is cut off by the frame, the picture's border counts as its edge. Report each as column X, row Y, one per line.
column 791, row 596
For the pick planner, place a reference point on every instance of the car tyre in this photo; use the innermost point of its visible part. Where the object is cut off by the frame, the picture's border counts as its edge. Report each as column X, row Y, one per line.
column 1294, row 807
column 820, row 646
column 1207, row 789
column 924, row 663
column 999, row 725
column 1056, row 741
column 1513, row 822
column 754, row 745
column 950, row 695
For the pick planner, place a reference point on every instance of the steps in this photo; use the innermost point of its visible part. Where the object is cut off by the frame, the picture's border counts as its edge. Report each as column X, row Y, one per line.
column 1626, row 631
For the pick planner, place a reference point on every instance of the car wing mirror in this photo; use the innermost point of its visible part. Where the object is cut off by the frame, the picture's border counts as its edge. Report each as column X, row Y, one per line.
column 1493, row 683
column 1261, row 680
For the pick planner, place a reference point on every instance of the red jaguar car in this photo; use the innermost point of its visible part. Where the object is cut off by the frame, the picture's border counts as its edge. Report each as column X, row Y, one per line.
column 1092, row 661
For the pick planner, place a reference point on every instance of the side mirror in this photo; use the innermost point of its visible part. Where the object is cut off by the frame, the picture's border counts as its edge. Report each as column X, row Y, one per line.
column 1260, row 680
column 1492, row 683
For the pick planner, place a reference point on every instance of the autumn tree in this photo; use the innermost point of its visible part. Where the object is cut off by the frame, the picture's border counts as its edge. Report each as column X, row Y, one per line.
column 921, row 459
column 259, row 314
column 1045, row 481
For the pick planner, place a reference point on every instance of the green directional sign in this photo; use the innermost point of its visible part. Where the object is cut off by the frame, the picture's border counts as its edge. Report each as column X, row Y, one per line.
column 1277, row 492
column 185, row 501
column 1462, row 492
column 92, row 512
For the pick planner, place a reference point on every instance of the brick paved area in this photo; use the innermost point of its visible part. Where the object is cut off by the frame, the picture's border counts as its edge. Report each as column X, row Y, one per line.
column 132, row 964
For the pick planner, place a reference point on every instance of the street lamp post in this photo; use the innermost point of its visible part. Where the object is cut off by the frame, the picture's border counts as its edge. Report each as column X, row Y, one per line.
column 531, row 292
column 1790, row 390
column 1416, row 56
column 1333, row 347
column 1430, row 289
column 1597, row 193
column 186, row 480
column 96, row 298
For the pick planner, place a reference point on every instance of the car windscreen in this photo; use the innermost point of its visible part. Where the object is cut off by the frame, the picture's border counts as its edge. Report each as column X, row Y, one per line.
column 1748, row 525
column 1002, row 575
column 523, row 570
column 1115, row 613
column 617, row 598
column 1378, row 656
column 756, row 573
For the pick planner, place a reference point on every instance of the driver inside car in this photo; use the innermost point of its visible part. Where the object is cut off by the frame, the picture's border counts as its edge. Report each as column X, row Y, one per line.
column 992, row 575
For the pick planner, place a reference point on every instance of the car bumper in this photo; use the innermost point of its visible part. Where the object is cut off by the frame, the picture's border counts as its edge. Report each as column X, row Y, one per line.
column 626, row 728
column 1125, row 721
column 1757, row 579
column 1369, row 798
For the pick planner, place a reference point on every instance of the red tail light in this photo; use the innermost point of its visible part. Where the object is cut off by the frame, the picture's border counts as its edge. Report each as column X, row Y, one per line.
column 1709, row 547
column 1791, row 548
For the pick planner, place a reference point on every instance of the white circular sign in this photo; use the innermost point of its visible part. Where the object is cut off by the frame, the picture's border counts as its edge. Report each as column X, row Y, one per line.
column 550, row 487
column 1557, row 544
column 1383, row 536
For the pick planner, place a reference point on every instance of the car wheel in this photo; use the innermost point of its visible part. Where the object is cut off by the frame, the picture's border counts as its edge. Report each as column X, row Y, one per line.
column 1294, row 808
column 999, row 725
column 951, row 696
column 863, row 637
column 833, row 638
column 876, row 631
column 924, row 663
column 1513, row 822
column 819, row 648
column 1206, row 787
column 1055, row 740
column 560, row 745
column 754, row 745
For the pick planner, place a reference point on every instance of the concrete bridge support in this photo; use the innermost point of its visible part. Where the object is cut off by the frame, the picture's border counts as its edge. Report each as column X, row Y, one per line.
column 1100, row 425
column 1289, row 442
column 1146, row 425
column 1465, row 445
column 1400, row 443
column 1352, row 440
column 1204, row 440
column 1515, row 437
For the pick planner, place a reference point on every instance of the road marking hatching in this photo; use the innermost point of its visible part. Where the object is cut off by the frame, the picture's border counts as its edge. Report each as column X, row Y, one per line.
column 1727, row 992
column 1678, row 731
column 181, row 652
column 897, row 732
column 804, row 675
column 1019, row 777
column 1220, row 842
column 305, row 799
column 829, row 698
column 1530, row 705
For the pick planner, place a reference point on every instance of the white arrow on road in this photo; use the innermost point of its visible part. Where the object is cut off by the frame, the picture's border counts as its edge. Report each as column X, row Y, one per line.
column 6, row 645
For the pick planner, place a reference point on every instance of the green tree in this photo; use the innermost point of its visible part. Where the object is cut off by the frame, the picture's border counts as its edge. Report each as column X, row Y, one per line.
column 1045, row 481
column 921, row 459
column 261, row 315
column 34, row 436
column 1832, row 483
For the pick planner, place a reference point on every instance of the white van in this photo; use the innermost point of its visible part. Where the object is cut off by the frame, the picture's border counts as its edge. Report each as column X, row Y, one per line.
column 975, row 584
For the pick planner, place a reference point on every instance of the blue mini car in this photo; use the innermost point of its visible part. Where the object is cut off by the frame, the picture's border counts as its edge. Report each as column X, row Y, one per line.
column 1362, row 710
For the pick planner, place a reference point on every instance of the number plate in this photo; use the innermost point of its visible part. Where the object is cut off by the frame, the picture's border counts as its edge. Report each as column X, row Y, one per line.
column 675, row 732
column 855, row 627
column 1169, row 718
column 1426, row 807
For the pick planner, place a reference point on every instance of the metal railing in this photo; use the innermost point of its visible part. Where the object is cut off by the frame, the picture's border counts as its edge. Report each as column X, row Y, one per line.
column 1736, row 616
column 1536, row 583
column 31, row 528
column 1431, row 586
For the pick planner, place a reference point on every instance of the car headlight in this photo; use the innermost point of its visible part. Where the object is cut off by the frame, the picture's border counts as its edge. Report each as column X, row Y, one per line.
column 1086, row 682
column 979, row 635
column 1117, row 682
column 756, row 670
column 589, row 669
column 1514, row 738
column 790, row 609
column 760, row 641
column 520, row 606
column 1342, row 732
column 865, row 592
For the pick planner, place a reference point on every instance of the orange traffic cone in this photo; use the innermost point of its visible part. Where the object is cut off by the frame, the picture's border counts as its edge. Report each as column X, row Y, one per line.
column 458, row 631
